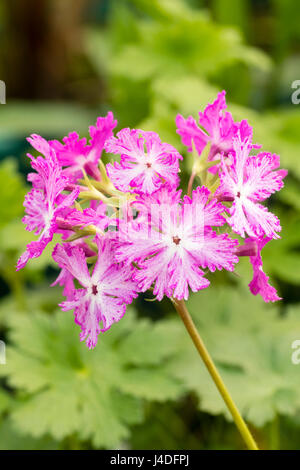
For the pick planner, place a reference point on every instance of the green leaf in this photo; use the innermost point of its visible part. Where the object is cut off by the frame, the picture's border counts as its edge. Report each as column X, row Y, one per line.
column 12, row 439
column 98, row 394
column 141, row 353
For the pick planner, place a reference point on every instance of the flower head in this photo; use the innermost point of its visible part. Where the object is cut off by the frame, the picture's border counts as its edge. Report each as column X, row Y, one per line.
column 132, row 224
column 104, row 294
column 146, row 163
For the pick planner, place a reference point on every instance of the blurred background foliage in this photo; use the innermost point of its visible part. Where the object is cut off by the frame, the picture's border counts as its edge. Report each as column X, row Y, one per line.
column 65, row 63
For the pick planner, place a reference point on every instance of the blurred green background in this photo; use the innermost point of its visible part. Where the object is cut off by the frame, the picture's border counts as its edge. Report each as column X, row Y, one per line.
column 143, row 387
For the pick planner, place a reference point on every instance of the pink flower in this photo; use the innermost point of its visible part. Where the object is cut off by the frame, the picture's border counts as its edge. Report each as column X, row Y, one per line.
column 170, row 242
column 45, row 201
column 75, row 154
column 104, row 294
column 219, row 126
column 146, row 163
column 260, row 282
column 247, row 180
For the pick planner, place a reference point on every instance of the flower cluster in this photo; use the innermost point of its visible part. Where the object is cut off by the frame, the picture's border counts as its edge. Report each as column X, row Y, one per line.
column 126, row 227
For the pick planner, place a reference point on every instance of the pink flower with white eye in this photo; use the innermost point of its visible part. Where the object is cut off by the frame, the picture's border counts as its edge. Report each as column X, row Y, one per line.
column 170, row 242
column 247, row 180
column 45, row 201
column 260, row 282
column 146, row 163
column 104, row 293
column 76, row 154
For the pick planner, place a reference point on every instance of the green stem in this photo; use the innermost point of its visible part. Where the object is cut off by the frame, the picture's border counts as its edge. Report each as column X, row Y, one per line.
column 190, row 183
column 191, row 328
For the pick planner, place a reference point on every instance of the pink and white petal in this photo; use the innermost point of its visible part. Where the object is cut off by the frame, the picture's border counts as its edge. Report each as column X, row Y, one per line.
column 128, row 144
column 186, row 274
column 121, row 176
column 155, row 271
column 88, row 316
column 112, row 310
column 238, row 220
column 203, row 212
column 216, row 252
column 262, row 180
column 37, row 211
column 261, row 221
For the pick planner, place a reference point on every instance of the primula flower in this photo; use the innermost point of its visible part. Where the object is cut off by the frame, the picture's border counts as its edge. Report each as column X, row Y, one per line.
column 219, row 126
column 247, row 180
column 146, row 163
column 260, row 282
column 175, row 243
column 45, row 201
column 104, row 294
column 76, row 154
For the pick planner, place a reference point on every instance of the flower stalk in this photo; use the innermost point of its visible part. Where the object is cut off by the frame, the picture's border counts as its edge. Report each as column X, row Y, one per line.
column 182, row 310
column 190, row 183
